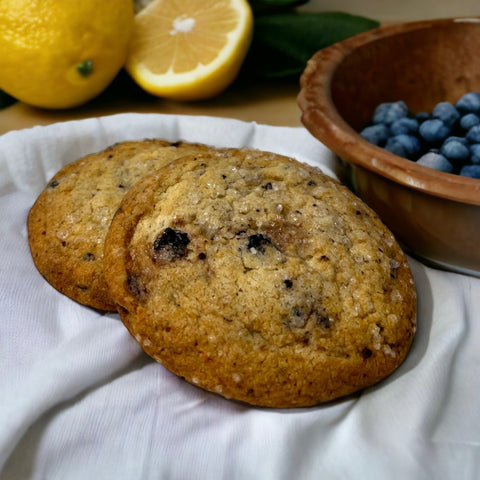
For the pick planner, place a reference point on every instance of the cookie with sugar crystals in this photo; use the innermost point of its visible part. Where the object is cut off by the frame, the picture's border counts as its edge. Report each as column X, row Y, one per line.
column 258, row 277
column 68, row 223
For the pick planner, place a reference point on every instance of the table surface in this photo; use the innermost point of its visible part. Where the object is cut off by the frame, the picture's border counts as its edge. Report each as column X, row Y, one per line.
column 271, row 103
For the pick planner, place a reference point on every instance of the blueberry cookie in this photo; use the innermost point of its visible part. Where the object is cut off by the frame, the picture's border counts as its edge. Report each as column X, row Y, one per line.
column 68, row 223
column 259, row 278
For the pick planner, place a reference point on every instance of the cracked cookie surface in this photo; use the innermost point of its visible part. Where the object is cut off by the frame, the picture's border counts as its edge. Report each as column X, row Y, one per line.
column 68, row 223
column 259, row 278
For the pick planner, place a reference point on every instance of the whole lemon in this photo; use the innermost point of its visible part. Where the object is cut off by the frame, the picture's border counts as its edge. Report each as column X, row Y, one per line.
column 62, row 53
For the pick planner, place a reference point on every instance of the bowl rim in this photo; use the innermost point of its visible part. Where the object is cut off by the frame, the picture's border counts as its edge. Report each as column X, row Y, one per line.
column 321, row 117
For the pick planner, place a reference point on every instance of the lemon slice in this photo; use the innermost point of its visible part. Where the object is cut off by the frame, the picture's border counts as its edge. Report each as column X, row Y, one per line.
column 189, row 49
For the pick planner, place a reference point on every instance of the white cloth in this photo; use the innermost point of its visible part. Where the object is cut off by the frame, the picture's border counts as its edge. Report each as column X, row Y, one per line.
column 79, row 400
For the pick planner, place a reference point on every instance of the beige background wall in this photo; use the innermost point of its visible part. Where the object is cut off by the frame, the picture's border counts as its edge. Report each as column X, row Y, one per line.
column 399, row 10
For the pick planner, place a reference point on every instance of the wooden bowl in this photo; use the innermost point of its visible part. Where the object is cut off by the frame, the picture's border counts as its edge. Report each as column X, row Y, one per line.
column 434, row 215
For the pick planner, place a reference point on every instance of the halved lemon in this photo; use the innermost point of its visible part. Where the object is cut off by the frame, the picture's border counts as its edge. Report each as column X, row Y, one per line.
column 189, row 49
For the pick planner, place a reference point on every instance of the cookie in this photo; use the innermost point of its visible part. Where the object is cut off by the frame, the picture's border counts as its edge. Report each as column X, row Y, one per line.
column 259, row 278
column 68, row 223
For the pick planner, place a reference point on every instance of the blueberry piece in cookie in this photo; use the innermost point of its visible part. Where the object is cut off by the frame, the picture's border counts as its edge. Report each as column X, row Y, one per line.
column 170, row 245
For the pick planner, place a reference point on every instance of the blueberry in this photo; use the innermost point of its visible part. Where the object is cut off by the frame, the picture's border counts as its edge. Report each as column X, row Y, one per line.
column 472, row 171
column 387, row 113
column 395, row 147
column 475, row 153
column 473, row 135
column 455, row 150
column 404, row 125
column 256, row 243
column 376, row 134
column 436, row 161
column 422, row 116
column 469, row 120
column 170, row 244
column 434, row 130
column 403, row 145
column 454, row 138
column 446, row 112
column 469, row 103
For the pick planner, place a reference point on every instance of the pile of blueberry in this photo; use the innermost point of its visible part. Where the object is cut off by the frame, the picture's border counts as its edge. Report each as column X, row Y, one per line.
column 447, row 139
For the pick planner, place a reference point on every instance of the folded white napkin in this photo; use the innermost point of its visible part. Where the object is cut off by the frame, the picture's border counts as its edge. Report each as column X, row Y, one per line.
column 79, row 399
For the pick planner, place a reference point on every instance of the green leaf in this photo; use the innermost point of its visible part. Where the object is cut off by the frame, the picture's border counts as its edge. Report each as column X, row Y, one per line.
column 5, row 99
column 282, row 43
